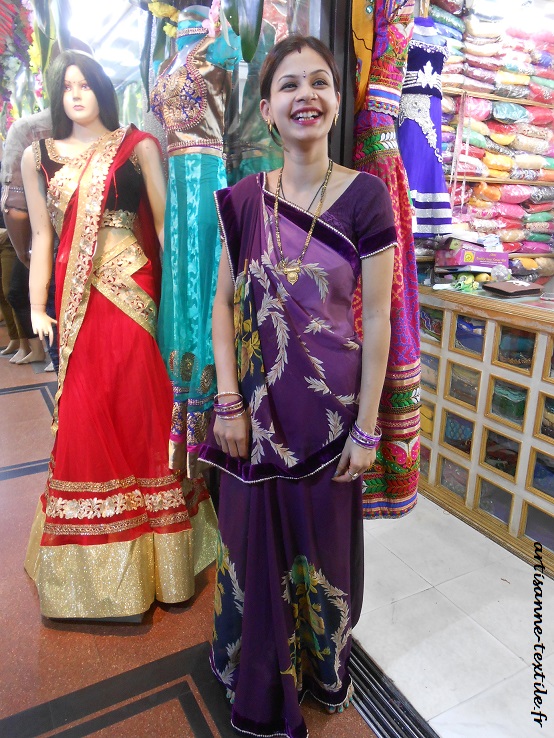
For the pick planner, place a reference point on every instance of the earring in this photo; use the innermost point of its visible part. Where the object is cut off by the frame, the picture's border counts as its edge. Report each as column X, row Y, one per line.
column 269, row 126
column 337, row 118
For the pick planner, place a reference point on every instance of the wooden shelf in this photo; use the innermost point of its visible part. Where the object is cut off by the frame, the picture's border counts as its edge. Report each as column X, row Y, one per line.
column 495, row 98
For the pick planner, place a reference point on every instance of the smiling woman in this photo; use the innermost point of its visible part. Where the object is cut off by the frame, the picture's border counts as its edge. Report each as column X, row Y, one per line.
column 298, row 397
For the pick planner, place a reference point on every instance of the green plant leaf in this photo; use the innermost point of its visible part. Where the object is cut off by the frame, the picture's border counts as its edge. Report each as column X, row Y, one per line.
column 42, row 15
column 61, row 14
column 250, row 23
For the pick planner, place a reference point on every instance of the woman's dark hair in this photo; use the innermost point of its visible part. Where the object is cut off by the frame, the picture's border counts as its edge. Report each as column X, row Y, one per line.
column 294, row 42
column 98, row 81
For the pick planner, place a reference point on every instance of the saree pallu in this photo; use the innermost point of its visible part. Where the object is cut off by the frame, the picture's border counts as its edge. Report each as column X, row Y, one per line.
column 390, row 488
column 115, row 527
column 189, row 280
column 290, row 558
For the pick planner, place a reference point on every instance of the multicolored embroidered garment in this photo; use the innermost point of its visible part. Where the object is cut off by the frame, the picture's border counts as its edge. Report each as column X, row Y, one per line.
column 290, row 563
column 115, row 527
column 390, row 488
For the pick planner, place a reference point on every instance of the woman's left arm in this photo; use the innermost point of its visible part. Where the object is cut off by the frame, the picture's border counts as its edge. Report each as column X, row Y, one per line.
column 150, row 161
column 377, row 274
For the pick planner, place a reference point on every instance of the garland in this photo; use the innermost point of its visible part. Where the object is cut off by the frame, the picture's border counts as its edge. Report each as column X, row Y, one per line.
column 15, row 39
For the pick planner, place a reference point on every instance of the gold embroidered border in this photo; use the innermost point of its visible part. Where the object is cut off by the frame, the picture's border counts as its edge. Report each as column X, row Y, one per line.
column 166, row 520
column 112, row 484
column 112, row 277
column 54, row 529
column 76, row 287
column 108, row 507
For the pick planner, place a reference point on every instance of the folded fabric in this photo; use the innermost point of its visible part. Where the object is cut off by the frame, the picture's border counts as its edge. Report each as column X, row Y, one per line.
column 543, row 72
column 481, row 75
column 457, row 68
column 507, row 112
column 529, row 175
column 491, row 49
column 453, row 80
column 442, row 16
column 475, row 151
column 510, row 210
column 545, row 217
column 511, row 246
column 451, row 6
column 529, row 161
column 545, row 227
column 540, row 93
column 447, row 31
column 497, row 148
column 448, row 104
column 541, row 238
column 477, row 108
column 474, row 85
column 534, row 247
column 498, row 161
column 504, row 139
column 539, row 207
column 519, row 66
column 547, row 175
column 511, row 234
column 528, row 129
column 472, row 124
column 542, row 194
column 474, row 138
column 484, row 62
column 549, row 162
column 488, row 192
column 515, row 193
column 530, row 144
column 475, row 26
column 543, row 81
column 509, row 78
column 540, row 116
column 518, row 92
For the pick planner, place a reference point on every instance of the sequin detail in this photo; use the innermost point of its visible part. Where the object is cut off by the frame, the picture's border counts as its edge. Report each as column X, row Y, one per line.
column 94, row 507
column 118, row 219
column 113, row 484
column 95, row 530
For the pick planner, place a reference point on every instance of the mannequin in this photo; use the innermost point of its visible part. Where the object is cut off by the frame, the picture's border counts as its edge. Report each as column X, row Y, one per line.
column 114, row 527
column 189, row 98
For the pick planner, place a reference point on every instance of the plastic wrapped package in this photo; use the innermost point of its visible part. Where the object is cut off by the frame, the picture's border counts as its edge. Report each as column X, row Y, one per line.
column 453, row 80
column 542, row 194
column 530, row 145
column 543, row 72
column 533, row 247
column 484, row 209
column 448, row 136
column 488, row 192
column 546, row 227
column 477, row 205
column 488, row 50
column 471, row 166
column 510, row 210
column 448, row 105
column 475, row 151
column 511, row 234
column 482, row 225
column 458, row 68
column 519, row 66
column 447, row 31
column 517, row 193
column 545, row 266
column 498, row 161
column 477, row 108
column 504, row 139
column 508, row 112
column 480, row 40
column 540, row 93
column 530, row 161
column 540, row 207
column 475, row 26
column 497, row 148
column 461, row 193
column 504, row 129
column 481, row 75
column 473, row 85
column 537, row 237
column 540, row 116
column 510, row 246
column 440, row 15
column 529, row 175
column 549, row 162
column 528, row 129
column 494, row 63
column 545, row 217
column 543, row 81
column 474, row 138
column 447, row 156
column 547, row 175
column 446, row 119
column 515, row 92
column 473, row 124
column 509, row 78
column 499, row 174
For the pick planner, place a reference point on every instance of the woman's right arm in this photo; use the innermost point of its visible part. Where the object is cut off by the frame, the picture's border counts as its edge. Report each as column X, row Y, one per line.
column 42, row 245
column 232, row 435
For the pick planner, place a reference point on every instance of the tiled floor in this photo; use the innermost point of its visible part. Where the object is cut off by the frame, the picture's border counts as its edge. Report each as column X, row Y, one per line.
column 42, row 661
column 448, row 616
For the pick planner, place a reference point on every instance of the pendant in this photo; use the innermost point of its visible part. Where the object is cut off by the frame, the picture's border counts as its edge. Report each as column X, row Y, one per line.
column 291, row 270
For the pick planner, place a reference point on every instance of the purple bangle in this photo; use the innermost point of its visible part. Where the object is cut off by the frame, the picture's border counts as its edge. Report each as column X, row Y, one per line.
column 366, row 440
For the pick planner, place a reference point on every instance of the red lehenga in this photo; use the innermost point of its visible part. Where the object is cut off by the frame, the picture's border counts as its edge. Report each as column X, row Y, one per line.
column 115, row 527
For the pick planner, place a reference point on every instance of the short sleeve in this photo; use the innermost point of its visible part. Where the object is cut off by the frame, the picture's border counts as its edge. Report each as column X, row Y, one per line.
column 374, row 217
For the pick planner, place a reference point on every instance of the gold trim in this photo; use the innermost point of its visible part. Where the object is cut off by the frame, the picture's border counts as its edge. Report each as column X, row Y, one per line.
column 95, row 530
column 77, row 283
column 58, row 507
column 167, row 520
column 112, row 484
column 118, row 219
column 112, row 277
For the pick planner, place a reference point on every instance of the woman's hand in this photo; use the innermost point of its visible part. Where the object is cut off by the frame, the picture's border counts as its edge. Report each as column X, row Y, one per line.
column 42, row 324
column 233, row 435
column 354, row 460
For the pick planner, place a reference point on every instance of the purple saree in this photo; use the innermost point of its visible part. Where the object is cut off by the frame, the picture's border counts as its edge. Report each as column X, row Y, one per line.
column 290, row 559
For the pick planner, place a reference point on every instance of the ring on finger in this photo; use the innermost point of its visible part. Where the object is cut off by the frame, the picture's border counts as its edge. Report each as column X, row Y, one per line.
column 352, row 476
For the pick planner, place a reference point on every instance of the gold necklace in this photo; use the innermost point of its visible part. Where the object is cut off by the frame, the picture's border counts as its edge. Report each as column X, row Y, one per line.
column 291, row 269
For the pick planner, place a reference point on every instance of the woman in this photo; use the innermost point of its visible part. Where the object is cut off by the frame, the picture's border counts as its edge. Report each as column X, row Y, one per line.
column 295, row 422
column 114, row 526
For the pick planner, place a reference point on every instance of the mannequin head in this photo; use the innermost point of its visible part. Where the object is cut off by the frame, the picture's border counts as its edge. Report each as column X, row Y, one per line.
column 98, row 82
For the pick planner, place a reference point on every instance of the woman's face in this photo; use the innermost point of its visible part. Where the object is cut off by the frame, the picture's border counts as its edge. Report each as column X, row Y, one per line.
column 79, row 101
column 303, row 101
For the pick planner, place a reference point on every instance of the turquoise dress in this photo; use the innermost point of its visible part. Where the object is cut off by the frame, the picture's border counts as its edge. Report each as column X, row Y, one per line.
column 189, row 98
